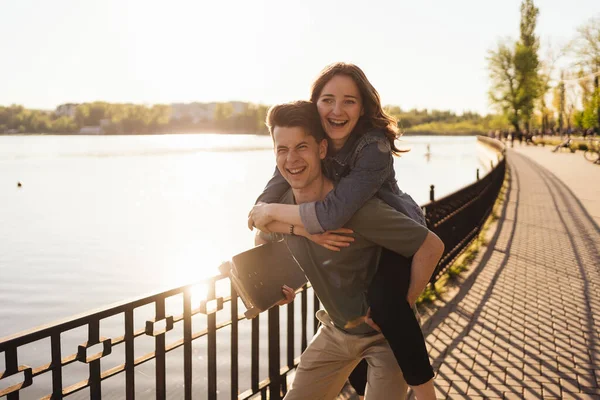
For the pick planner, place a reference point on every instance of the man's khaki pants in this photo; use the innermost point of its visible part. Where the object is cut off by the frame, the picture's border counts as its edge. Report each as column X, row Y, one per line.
column 332, row 355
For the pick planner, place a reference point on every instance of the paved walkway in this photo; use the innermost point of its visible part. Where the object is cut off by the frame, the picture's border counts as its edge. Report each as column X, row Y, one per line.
column 579, row 175
column 525, row 322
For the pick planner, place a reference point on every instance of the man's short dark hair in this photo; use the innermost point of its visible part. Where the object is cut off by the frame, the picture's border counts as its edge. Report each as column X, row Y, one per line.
column 303, row 114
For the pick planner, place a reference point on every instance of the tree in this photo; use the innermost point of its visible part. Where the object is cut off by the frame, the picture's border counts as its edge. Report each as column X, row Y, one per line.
column 82, row 112
column 505, row 88
column 570, row 103
column 64, row 124
column 585, row 48
column 559, row 102
column 223, row 111
column 159, row 117
column 516, row 83
column 545, row 76
column 222, row 114
column 527, row 63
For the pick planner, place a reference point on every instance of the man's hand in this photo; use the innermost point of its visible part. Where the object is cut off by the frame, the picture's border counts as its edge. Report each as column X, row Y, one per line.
column 260, row 217
column 333, row 240
column 289, row 294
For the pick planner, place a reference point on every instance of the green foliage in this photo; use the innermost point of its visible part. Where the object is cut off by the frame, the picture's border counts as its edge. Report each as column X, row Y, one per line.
column 504, row 90
column 64, row 125
column 123, row 118
column 115, row 118
column 527, row 64
column 585, row 48
column 515, row 71
column 18, row 119
column 442, row 122
column 414, row 117
column 250, row 119
column 223, row 112
column 448, row 123
column 589, row 115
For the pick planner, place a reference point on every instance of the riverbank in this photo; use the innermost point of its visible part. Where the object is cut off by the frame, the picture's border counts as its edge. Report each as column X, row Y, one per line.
column 411, row 132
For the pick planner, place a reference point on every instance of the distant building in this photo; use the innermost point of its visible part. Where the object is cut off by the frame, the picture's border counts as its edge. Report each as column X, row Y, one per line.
column 91, row 130
column 197, row 112
column 66, row 110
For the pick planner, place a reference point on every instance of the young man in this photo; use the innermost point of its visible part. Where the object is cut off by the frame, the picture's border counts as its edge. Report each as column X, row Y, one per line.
column 340, row 279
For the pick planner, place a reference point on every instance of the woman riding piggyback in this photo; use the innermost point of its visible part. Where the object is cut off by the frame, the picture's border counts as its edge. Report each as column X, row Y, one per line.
column 360, row 162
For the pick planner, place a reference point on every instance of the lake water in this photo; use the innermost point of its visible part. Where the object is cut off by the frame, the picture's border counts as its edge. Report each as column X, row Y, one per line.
column 100, row 219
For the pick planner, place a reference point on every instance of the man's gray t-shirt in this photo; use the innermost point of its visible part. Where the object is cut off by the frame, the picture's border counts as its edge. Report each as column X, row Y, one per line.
column 341, row 279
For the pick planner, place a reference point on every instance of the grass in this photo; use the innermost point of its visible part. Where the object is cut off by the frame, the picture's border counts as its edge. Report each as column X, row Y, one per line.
column 466, row 258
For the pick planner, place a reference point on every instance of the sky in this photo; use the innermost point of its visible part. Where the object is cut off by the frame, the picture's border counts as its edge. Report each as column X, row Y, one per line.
column 418, row 54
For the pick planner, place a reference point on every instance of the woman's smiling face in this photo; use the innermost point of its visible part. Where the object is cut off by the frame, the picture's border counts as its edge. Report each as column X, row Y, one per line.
column 340, row 107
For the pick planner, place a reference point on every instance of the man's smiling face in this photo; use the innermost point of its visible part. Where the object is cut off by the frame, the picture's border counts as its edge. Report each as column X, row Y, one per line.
column 298, row 155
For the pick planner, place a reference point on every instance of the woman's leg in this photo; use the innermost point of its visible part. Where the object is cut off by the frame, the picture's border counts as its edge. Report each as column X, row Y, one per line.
column 395, row 317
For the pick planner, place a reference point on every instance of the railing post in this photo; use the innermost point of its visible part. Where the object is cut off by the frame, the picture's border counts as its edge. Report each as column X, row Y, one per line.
column 12, row 367
column 56, row 366
column 159, row 348
column 187, row 345
column 304, row 315
column 274, row 350
column 432, row 193
column 129, row 356
column 94, row 366
column 254, row 354
column 290, row 335
column 234, row 343
column 211, row 343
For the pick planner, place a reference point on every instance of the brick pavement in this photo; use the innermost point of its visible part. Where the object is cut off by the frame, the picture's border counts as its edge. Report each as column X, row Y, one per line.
column 525, row 322
column 573, row 170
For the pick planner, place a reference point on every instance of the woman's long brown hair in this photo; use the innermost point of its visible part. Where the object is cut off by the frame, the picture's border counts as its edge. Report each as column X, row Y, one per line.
column 374, row 115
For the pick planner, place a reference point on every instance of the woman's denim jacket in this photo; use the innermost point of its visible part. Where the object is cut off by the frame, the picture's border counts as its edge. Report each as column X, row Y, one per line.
column 364, row 167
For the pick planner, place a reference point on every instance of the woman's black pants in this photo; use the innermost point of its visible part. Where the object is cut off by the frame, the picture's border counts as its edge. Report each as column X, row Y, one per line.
column 391, row 311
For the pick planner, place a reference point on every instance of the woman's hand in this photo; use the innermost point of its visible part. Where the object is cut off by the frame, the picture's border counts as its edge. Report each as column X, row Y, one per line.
column 333, row 240
column 289, row 294
column 259, row 217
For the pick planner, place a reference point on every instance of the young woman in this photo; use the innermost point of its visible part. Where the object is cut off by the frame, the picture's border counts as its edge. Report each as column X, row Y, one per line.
column 361, row 145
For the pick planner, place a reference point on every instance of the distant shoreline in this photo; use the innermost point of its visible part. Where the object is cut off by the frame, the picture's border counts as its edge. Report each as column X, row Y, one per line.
column 411, row 133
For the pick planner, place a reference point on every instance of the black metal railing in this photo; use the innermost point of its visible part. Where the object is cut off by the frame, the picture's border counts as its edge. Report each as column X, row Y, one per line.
column 456, row 218
column 157, row 328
